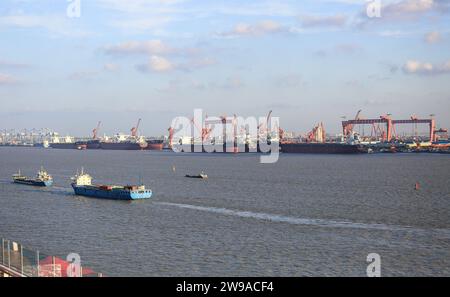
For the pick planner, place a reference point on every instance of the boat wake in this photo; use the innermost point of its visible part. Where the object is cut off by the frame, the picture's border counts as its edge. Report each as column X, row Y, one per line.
column 309, row 222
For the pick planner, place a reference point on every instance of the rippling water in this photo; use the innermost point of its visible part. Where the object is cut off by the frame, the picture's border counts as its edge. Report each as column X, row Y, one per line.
column 307, row 215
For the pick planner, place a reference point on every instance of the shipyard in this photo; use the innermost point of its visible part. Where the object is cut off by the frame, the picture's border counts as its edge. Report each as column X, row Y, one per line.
column 380, row 138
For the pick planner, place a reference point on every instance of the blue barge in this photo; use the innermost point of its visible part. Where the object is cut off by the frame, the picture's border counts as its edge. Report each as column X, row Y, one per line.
column 82, row 186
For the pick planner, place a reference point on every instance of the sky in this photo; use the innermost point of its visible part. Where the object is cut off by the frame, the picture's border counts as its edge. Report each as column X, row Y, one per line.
column 308, row 61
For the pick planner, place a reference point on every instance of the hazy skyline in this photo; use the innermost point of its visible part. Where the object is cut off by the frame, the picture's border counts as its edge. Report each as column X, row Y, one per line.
column 308, row 61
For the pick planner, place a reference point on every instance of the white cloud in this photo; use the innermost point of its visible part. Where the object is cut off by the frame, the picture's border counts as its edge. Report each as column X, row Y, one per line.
column 432, row 37
column 151, row 47
column 311, row 21
column 157, row 64
column 261, row 28
column 407, row 9
column 412, row 6
column 6, row 79
column 160, row 64
column 425, row 68
column 158, row 53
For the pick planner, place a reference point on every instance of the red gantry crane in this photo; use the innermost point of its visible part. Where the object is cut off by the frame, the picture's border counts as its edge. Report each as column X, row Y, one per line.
column 387, row 135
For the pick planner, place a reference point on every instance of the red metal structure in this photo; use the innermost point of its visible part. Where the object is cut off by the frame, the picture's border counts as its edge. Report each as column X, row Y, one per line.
column 95, row 131
column 224, row 120
column 204, row 131
column 387, row 135
column 317, row 134
column 134, row 130
column 264, row 127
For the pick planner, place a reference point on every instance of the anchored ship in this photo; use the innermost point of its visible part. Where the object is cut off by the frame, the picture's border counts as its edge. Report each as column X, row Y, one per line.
column 124, row 142
column 125, row 145
column 43, row 179
column 320, row 148
column 82, row 185
column 316, row 144
column 91, row 144
column 64, row 143
column 155, row 144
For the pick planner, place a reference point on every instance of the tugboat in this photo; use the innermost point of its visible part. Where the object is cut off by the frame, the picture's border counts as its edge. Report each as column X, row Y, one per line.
column 82, row 185
column 201, row 176
column 43, row 179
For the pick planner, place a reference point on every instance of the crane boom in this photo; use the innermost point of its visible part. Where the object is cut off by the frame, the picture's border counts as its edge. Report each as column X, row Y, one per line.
column 95, row 131
column 135, row 129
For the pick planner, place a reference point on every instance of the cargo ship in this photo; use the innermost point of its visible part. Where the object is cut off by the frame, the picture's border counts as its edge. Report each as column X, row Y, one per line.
column 44, row 144
column 93, row 144
column 80, row 145
column 43, row 179
column 64, row 143
column 124, row 142
column 82, row 185
column 125, row 145
column 321, row 148
column 155, row 144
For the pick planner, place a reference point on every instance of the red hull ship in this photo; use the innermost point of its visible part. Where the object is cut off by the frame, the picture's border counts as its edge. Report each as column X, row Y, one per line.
column 155, row 145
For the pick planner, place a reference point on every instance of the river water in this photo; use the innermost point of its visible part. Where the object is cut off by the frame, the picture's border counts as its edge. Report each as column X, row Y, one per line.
column 306, row 215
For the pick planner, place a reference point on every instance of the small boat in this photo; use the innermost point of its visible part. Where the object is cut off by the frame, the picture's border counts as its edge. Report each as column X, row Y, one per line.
column 82, row 186
column 43, row 179
column 201, row 175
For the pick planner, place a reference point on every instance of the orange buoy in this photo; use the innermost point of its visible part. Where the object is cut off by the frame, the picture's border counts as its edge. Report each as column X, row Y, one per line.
column 417, row 187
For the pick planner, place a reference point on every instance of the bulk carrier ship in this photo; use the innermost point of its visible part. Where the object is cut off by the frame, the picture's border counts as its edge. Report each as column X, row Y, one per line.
column 124, row 142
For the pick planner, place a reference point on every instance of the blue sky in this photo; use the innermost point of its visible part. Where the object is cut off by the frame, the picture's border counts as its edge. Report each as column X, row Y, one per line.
column 308, row 61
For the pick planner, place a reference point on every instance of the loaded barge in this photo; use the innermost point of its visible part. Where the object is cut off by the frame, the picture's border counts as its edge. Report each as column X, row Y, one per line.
column 82, row 186
column 43, row 179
